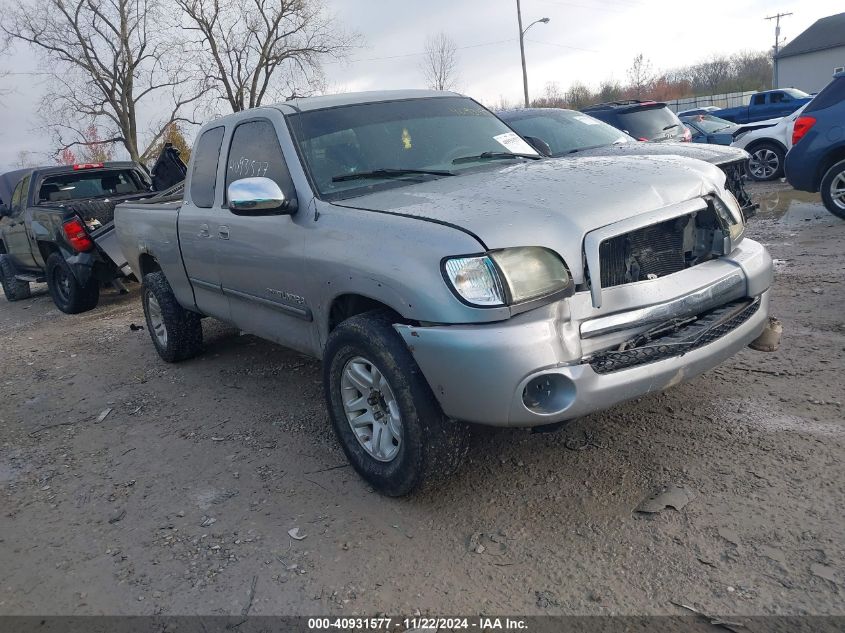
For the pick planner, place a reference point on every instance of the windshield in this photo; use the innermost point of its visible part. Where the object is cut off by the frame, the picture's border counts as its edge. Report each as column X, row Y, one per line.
column 81, row 185
column 378, row 140
column 566, row 131
column 651, row 123
column 708, row 123
column 795, row 93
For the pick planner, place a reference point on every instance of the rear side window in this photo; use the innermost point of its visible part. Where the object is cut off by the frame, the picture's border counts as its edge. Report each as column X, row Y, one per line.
column 831, row 94
column 650, row 122
column 758, row 100
column 254, row 153
column 19, row 197
column 204, row 174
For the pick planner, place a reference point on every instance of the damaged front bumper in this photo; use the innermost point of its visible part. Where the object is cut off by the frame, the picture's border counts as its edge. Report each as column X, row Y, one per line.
column 569, row 359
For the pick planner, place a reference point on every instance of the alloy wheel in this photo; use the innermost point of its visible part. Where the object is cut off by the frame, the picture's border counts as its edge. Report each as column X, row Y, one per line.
column 371, row 409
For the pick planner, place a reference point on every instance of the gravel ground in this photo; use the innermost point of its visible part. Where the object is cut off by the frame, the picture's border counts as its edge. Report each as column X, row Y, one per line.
column 130, row 486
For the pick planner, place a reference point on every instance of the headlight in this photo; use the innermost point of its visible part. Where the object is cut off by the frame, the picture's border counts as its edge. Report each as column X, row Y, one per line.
column 475, row 280
column 730, row 213
column 507, row 276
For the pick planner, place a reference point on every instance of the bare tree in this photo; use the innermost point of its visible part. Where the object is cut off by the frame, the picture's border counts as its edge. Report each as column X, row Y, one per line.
column 640, row 76
column 440, row 64
column 709, row 75
column 111, row 64
column 579, row 96
column 609, row 90
column 252, row 50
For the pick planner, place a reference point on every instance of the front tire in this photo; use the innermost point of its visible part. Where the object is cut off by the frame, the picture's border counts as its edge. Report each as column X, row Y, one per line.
column 175, row 331
column 383, row 411
column 14, row 289
column 70, row 296
column 766, row 162
column 833, row 189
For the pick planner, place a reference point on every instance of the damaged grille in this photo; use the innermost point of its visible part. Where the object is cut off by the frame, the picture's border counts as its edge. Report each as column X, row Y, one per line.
column 647, row 253
column 684, row 336
column 735, row 173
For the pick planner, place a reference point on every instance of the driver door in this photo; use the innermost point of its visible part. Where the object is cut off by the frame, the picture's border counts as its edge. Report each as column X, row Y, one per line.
column 17, row 241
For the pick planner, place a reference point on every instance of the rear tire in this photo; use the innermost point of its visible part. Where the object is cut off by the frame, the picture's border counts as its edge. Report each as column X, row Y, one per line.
column 402, row 441
column 68, row 294
column 766, row 162
column 14, row 289
column 833, row 189
column 175, row 331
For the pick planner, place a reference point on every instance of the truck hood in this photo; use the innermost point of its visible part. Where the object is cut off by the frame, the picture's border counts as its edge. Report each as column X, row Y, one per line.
column 715, row 154
column 552, row 203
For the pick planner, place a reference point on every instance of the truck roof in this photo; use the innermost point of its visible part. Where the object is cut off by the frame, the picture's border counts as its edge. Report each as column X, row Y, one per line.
column 351, row 98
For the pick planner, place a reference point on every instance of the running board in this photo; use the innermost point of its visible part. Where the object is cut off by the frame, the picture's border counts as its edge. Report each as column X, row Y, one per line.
column 33, row 279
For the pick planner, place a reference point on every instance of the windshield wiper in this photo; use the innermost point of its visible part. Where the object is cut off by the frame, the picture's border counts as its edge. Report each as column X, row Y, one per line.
column 391, row 173
column 669, row 127
column 584, row 149
column 494, row 156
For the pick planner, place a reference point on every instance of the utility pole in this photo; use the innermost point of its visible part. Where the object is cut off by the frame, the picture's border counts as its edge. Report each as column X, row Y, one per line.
column 776, row 18
column 522, row 33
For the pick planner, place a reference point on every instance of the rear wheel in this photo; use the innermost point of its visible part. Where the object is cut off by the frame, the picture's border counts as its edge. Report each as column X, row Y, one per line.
column 70, row 296
column 175, row 331
column 833, row 189
column 14, row 289
column 383, row 411
column 766, row 162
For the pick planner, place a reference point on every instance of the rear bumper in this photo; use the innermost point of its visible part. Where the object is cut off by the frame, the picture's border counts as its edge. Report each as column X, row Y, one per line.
column 480, row 373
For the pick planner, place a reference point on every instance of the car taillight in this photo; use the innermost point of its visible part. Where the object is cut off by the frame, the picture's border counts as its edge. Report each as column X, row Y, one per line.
column 802, row 126
column 687, row 137
column 79, row 166
column 76, row 235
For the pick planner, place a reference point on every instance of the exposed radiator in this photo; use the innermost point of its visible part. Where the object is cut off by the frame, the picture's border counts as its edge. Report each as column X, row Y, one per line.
column 647, row 253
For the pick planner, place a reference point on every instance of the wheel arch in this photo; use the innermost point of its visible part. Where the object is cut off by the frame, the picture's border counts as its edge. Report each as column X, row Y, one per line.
column 147, row 263
column 753, row 145
column 347, row 305
column 833, row 156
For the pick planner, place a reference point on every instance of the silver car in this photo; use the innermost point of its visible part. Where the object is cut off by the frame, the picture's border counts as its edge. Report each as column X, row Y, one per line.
column 443, row 271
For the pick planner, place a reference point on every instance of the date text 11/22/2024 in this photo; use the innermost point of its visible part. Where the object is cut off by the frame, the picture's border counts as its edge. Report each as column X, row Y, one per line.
column 423, row 623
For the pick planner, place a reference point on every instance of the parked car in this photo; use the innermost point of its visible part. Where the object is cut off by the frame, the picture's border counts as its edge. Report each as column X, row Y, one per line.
column 56, row 226
column 816, row 161
column 707, row 128
column 769, row 104
column 570, row 134
column 443, row 271
column 644, row 120
column 701, row 110
column 768, row 147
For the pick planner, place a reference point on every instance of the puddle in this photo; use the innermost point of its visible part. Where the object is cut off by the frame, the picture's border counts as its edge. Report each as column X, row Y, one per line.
column 792, row 208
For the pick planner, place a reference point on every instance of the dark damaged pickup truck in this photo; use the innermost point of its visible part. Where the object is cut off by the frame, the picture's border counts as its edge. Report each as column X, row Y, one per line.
column 56, row 225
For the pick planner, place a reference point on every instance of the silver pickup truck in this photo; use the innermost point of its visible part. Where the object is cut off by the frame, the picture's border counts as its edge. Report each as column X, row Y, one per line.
column 443, row 271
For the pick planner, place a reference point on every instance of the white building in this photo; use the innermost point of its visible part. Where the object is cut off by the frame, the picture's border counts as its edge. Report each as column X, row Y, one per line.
column 809, row 61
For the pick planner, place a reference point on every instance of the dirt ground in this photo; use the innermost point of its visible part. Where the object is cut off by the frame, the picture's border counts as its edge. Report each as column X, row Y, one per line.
column 180, row 499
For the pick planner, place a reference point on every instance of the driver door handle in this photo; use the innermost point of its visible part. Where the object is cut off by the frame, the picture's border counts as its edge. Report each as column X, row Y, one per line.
column 223, row 232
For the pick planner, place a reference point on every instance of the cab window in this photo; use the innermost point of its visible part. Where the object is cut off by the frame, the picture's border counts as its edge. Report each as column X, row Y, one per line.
column 255, row 152
column 19, row 197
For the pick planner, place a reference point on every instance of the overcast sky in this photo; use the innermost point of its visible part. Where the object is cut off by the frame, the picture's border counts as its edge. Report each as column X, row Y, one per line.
column 586, row 40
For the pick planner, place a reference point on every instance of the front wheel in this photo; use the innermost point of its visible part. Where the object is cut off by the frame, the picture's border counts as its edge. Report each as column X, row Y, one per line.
column 70, row 296
column 383, row 411
column 833, row 189
column 13, row 288
column 766, row 162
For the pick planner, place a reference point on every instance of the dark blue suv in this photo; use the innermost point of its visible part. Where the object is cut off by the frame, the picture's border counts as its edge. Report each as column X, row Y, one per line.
column 816, row 161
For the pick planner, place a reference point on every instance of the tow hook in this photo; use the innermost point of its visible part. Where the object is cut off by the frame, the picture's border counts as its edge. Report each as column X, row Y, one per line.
column 769, row 340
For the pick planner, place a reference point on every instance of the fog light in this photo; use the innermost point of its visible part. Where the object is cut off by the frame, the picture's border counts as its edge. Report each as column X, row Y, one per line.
column 548, row 393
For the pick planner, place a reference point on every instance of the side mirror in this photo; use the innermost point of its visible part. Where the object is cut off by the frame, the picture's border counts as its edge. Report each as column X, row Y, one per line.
column 539, row 144
column 258, row 196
